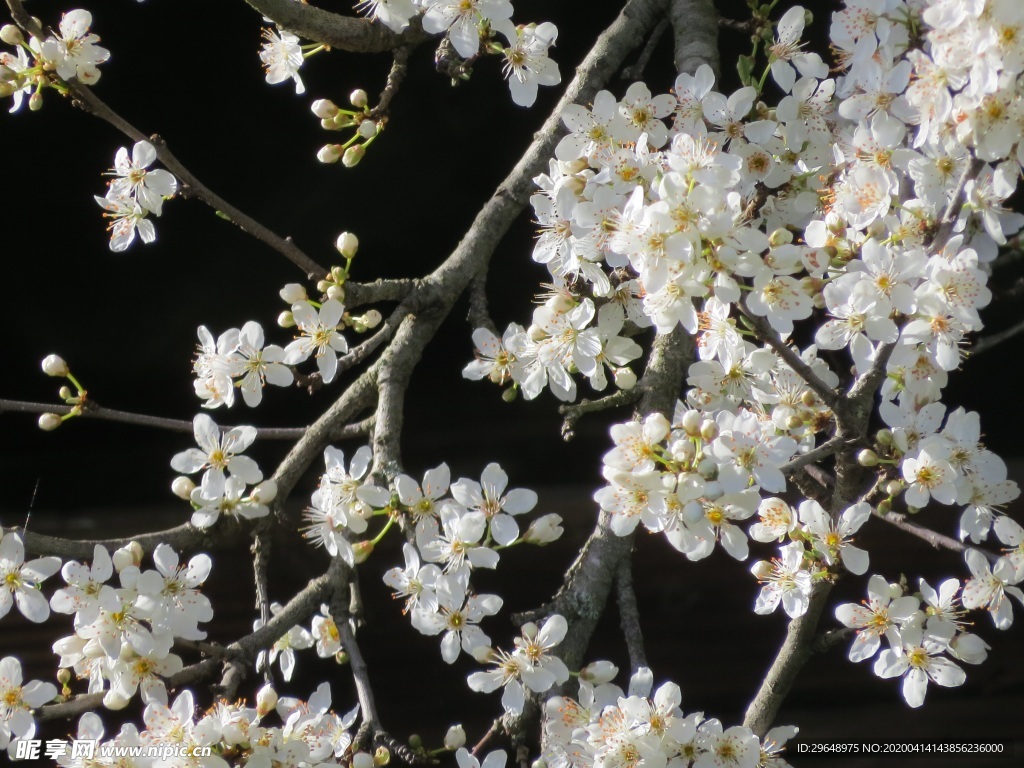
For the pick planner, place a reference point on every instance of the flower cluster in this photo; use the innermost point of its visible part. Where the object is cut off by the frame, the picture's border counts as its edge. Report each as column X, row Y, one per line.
column 605, row 727
column 124, row 634
column 133, row 194
column 222, row 488
column 237, row 358
column 233, row 733
column 924, row 629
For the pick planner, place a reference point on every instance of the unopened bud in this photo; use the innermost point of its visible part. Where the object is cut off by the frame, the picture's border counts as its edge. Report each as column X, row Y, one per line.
column 482, row 653
column 54, row 365
column 49, row 422
column 182, row 487
column 415, row 742
column 325, row 109
column 114, row 700
column 353, row 155
column 808, row 398
column 867, row 458
column 6, row 89
column 336, row 292
column 455, row 738
column 884, row 507
column 780, row 237
column 362, row 760
column 329, row 153
column 340, row 121
column 347, row 244
column 509, row 395
column 560, row 303
column 625, row 378
column 362, row 550
column 884, row 437
column 338, row 274
column 323, row 285
column 265, row 492
column 11, row 35
column 7, row 74
column 266, row 700
column 128, row 555
column 707, row 469
column 382, row 756
column 530, row 630
column 536, row 333
column 544, row 529
column 35, row 101
column 894, row 487
column 66, row 394
column 367, row 129
column 341, row 657
column 358, row 98
column 794, row 422
column 372, row 318
column 64, row 676
column 598, row 672
column 293, row 292
column 691, row 422
column 286, row 319
column 709, row 430
column 540, row 762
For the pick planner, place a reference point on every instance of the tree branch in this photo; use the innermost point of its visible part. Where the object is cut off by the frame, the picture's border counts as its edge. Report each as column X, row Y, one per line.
column 91, row 410
column 695, row 32
column 335, row 30
column 629, row 616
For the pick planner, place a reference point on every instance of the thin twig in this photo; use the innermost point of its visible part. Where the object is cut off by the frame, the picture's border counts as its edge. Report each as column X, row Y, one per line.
column 91, row 410
column 823, row 451
column 479, row 315
column 261, row 543
column 635, row 71
column 934, row 538
column 573, row 412
column 987, row 342
column 399, row 69
column 83, row 98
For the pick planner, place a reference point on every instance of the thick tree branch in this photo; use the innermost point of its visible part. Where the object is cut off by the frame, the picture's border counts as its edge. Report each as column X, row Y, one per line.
column 335, row 30
column 695, row 33
column 629, row 616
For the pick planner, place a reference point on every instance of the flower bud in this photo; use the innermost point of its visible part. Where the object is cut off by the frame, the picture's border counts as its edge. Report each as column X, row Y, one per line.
column 707, row 469
column 266, row 700
column 415, row 741
column 339, row 122
column 536, row 333
column 598, row 672
column 286, row 319
column 35, row 101
column 482, row 653
column 509, row 395
column 807, row 398
column 54, row 365
column 265, row 492
column 884, row 507
column 884, row 437
column 7, row 74
column 780, row 237
column 372, row 318
column 682, row 451
column 708, row 430
column 362, row 760
column 347, row 244
column 114, row 700
column 894, row 487
column 794, row 422
column 49, row 422
column 625, row 378
column 455, row 738
column 544, row 529
column 530, row 630
column 540, row 762
column 11, row 35
column 358, row 98
column 382, row 756
column 323, row 285
column 292, row 293
column 336, row 292
column 329, row 153
column 127, row 556
column 368, row 129
column 182, row 487
column 6, row 89
column 325, row 109
column 362, row 550
column 353, row 155
column 64, row 676
column 867, row 458
column 691, row 422
column 66, row 394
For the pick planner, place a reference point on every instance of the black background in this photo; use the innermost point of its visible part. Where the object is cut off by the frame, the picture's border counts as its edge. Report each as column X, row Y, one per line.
column 189, row 70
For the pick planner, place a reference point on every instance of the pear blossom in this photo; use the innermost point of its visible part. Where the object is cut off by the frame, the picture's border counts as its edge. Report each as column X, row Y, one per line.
column 282, row 58
column 132, row 180
column 320, row 337
column 831, row 539
column 527, row 64
column 498, row 506
column 17, row 701
column 882, row 614
column 19, row 581
column 990, row 586
column 218, row 453
column 918, row 660
column 460, row 19
column 784, row 581
column 74, row 51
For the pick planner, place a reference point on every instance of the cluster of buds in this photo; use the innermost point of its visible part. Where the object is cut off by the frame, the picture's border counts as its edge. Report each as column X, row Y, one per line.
column 55, row 365
column 334, row 118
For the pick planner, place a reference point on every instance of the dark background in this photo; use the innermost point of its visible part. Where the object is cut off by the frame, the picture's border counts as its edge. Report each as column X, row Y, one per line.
column 126, row 323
